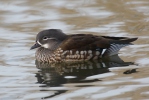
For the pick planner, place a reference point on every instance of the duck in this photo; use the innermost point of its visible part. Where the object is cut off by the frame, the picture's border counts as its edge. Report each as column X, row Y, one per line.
column 54, row 46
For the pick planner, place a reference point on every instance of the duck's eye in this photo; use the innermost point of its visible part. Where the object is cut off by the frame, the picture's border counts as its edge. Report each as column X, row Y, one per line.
column 45, row 38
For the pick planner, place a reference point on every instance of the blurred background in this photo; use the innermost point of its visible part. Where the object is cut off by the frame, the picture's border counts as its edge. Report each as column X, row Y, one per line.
column 21, row 20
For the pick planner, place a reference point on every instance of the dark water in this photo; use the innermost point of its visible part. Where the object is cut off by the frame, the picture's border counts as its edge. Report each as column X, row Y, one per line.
column 118, row 78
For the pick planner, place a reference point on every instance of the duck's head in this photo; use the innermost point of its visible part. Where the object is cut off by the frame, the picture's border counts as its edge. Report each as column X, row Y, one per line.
column 49, row 39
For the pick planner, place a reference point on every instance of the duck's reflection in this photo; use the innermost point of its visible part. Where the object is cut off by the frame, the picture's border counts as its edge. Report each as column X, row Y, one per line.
column 54, row 75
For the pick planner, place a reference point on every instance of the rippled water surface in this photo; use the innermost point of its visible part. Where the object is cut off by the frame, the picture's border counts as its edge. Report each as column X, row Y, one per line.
column 113, row 79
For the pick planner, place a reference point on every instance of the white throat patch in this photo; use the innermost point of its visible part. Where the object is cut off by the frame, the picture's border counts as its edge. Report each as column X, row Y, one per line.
column 45, row 45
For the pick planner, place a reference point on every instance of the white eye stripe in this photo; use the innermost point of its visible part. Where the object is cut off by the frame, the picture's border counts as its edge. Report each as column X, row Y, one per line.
column 48, row 38
column 45, row 39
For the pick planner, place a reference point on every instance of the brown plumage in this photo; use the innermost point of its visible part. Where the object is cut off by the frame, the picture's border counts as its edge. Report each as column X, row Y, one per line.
column 55, row 46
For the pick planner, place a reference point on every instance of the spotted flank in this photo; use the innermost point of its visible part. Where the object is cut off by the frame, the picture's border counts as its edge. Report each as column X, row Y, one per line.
column 71, row 55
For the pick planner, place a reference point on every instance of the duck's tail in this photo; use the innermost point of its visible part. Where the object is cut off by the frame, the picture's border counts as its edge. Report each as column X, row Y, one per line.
column 116, row 43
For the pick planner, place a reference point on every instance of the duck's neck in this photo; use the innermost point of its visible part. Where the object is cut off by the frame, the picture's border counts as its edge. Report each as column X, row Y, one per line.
column 43, row 54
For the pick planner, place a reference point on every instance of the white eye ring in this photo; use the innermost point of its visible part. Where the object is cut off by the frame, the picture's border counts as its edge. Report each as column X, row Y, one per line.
column 45, row 38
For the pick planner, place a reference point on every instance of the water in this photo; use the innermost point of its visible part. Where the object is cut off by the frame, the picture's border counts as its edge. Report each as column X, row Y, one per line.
column 23, row 79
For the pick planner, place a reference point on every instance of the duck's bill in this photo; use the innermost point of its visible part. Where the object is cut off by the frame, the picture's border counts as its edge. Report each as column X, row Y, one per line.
column 36, row 45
